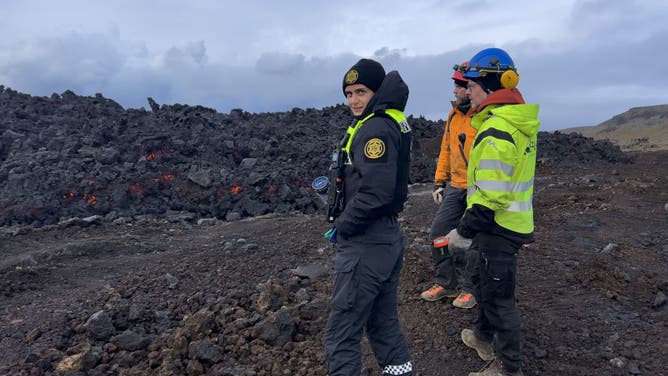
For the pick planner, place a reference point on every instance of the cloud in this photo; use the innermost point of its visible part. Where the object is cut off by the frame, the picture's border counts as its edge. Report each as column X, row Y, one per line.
column 277, row 63
column 581, row 68
column 83, row 62
column 192, row 53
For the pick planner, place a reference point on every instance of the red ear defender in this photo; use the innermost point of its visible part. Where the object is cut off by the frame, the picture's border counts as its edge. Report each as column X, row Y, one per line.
column 509, row 79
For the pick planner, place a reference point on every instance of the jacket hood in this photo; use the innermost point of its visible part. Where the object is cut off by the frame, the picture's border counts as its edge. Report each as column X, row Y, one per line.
column 392, row 93
column 509, row 105
column 524, row 117
column 503, row 96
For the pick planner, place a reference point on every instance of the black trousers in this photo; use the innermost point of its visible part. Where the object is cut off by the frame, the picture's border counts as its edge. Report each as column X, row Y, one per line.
column 366, row 278
column 447, row 217
column 499, row 318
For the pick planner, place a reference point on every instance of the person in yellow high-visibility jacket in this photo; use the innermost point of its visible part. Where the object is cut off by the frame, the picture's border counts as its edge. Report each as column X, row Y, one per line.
column 499, row 215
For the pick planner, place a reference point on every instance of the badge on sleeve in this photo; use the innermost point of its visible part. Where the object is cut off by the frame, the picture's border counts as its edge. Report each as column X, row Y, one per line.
column 374, row 150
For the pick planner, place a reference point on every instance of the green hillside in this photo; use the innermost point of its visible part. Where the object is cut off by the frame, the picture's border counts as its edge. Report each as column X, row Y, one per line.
column 638, row 129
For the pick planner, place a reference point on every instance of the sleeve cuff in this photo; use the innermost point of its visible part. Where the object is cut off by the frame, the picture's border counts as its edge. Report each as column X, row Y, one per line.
column 464, row 231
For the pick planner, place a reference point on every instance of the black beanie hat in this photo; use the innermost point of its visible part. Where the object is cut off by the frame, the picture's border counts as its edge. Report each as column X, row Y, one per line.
column 490, row 82
column 367, row 72
column 461, row 83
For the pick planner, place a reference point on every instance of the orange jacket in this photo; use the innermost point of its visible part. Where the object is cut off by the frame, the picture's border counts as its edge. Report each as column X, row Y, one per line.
column 451, row 163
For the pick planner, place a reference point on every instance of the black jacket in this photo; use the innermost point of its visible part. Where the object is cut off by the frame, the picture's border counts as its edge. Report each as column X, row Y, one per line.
column 376, row 182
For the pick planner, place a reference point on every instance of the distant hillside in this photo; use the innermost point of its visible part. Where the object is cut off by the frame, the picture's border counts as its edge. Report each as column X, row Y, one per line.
column 638, row 129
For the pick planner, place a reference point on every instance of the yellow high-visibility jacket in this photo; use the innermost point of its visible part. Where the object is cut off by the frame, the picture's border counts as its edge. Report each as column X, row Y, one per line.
column 501, row 169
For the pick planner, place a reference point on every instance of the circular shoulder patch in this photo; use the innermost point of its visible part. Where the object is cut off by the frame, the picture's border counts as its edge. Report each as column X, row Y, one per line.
column 351, row 76
column 374, row 148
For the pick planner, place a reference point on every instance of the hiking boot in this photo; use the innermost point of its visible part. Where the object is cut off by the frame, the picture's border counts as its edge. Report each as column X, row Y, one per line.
column 464, row 300
column 438, row 292
column 495, row 368
column 484, row 349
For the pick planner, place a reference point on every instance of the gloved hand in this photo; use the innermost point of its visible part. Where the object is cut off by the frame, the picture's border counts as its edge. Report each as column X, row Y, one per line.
column 331, row 235
column 457, row 242
column 437, row 195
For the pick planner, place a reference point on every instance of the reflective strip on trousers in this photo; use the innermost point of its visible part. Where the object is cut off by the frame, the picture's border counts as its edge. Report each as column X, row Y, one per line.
column 401, row 369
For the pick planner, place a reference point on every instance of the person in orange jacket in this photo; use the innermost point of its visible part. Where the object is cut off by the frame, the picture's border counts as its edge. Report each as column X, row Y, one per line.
column 450, row 194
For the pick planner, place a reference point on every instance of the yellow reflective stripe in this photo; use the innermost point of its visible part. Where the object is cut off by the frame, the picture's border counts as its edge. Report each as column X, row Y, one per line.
column 400, row 118
column 397, row 115
column 495, row 164
column 504, row 186
column 353, row 130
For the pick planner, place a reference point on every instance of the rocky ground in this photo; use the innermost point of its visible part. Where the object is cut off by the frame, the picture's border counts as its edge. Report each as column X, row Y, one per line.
column 250, row 297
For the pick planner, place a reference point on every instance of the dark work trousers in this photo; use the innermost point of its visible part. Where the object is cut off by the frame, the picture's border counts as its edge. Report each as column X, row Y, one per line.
column 499, row 318
column 447, row 217
column 366, row 277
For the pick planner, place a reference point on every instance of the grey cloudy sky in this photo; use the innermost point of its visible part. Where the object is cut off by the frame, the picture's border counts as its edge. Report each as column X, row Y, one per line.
column 583, row 61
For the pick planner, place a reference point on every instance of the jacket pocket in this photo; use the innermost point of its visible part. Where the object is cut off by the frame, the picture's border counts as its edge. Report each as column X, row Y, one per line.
column 346, row 282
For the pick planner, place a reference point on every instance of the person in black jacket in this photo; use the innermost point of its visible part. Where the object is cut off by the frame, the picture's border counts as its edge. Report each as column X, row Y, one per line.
column 368, row 237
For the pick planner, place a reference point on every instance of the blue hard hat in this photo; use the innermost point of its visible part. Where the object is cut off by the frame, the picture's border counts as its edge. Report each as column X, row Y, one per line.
column 494, row 68
column 487, row 61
